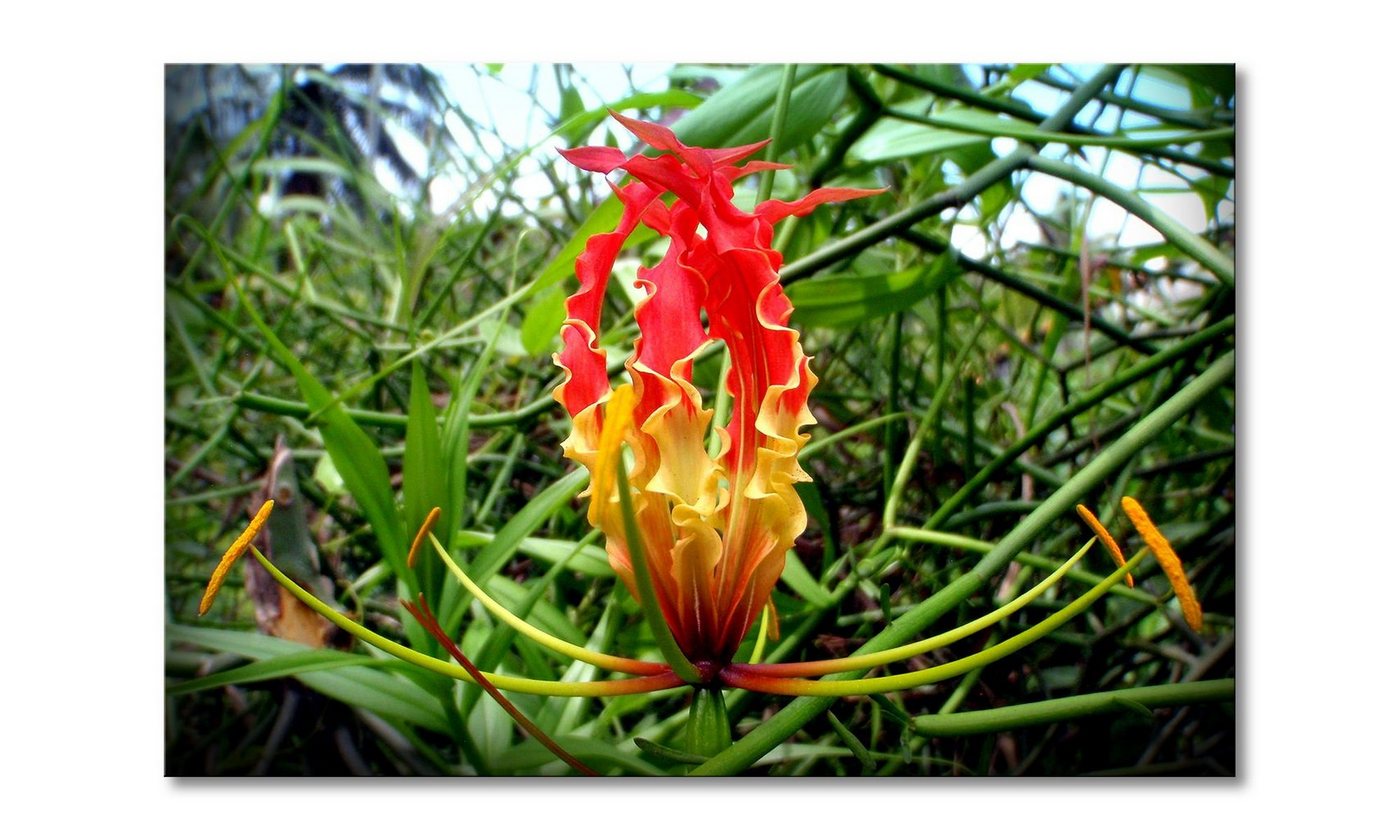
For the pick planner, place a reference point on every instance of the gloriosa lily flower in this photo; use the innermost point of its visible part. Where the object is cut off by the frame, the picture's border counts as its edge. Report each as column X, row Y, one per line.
column 714, row 531
column 700, row 541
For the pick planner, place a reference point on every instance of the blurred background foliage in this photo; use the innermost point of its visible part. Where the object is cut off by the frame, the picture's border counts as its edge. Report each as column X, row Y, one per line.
column 1051, row 264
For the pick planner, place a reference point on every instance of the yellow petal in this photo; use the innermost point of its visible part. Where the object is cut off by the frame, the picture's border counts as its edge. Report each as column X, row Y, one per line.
column 616, row 422
column 1171, row 564
column 231, row 556
column 1104, row 537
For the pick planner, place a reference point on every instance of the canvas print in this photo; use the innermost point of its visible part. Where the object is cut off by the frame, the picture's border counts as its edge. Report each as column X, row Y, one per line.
column 682, row 420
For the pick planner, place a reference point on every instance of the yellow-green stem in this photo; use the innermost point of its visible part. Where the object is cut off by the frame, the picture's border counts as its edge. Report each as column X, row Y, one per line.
column 522, row 685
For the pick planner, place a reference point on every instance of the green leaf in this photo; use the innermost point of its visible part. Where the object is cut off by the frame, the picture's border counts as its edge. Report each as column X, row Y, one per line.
column 603, row 219
column 570, row 106
column 327, row 476
column 525, row 522
column 500, row 550
column 994, row 125
column 742, row 112
column 544, row 615
column 1217, row 78
column 288, row 665
column 1212, row 190
column 1022, row 72
column 892, row 139
column 372, row 689
column 852, row 742
column 666, row 753
column 588, row 560
column 845, row 300
column 424, row 478
column 799, row 580
column 947, row 74
column 456, row 431
column 531, row 755
column 542, row 321
column 355, row 455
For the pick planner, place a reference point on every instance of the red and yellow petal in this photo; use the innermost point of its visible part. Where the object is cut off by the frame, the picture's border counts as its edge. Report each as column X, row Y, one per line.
column 716, row 530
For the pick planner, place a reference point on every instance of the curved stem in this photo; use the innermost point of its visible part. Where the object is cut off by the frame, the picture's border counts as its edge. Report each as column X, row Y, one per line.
column 601, row 660
column 522, row 685
column 1031, row 134
column 1173, row 231
column 902, row 682
column 1035, row 561
column 873, row 660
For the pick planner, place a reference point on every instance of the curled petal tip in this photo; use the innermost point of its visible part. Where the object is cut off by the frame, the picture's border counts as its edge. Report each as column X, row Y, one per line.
column 716, row 527
column 594, row 158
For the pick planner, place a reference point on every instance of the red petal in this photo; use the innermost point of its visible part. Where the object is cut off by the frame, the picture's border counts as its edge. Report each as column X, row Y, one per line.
column 582, row 358
column 716, row 552
column 663, row 139
column 775, row 211
column 595, row 158
column 734, row 173
column 720, row 157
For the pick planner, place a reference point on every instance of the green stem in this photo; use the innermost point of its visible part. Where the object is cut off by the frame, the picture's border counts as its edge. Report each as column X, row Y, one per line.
column 388, row 420
column 1175, row 232
column 850, row 431
column 1035, row 561
column 1042, row 430
column 775, row 130
column 911, row 454
column 913, row 679
column 954, row 197
column 937, row 243
column 942, row 640
column 523, row 685
column 871, row 107
column 1067, row 708
column 792, row 717
column 1034, row 135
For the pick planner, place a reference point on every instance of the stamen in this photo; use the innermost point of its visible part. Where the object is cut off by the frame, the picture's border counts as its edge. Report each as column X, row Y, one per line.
column 530, row 631
column 522, row 685
column 753, row 678
column 235, row 551
column 864, row 662
column 423, row 531
column 1104, row 537
column 1171, row 564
